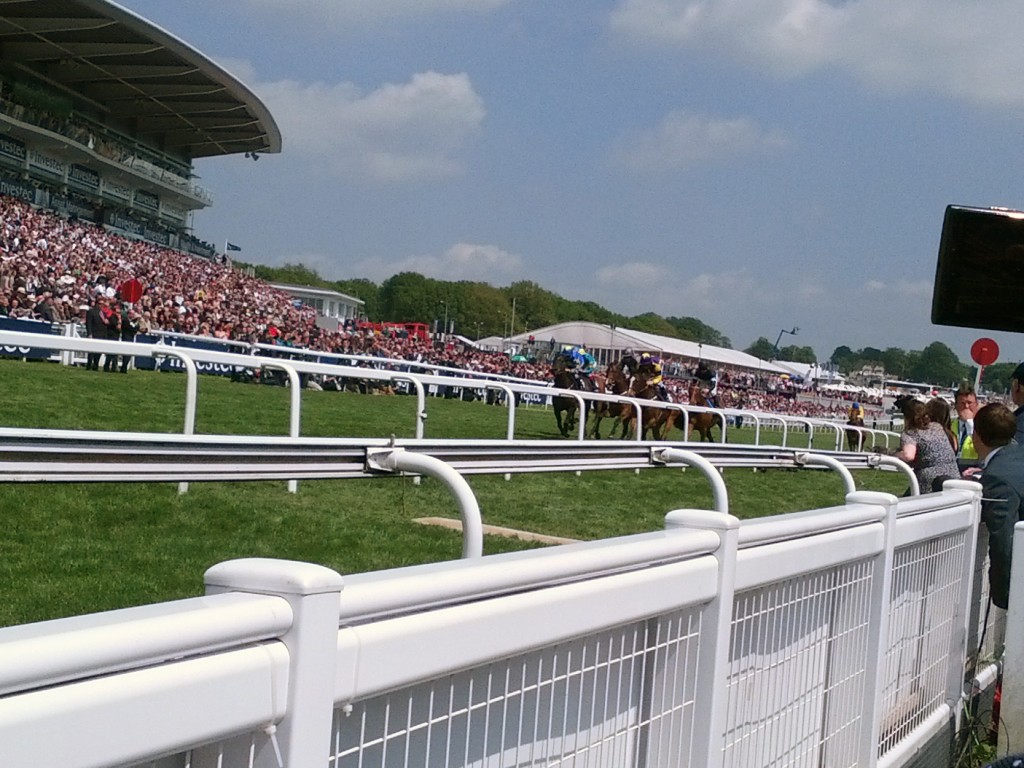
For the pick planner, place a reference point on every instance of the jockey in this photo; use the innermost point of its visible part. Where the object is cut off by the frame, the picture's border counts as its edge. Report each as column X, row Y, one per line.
column 585, row 365
column 856, row 413
column 709, row 379
column 650, row 367
column 628, row 364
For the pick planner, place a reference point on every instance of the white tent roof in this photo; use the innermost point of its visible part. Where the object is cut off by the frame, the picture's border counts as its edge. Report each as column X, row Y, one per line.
column 598, row 336
column 810, row 371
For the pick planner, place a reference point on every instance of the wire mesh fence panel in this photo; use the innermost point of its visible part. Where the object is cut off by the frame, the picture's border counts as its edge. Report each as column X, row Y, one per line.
column 622, row 697
column 798, row 669
column 926, row 591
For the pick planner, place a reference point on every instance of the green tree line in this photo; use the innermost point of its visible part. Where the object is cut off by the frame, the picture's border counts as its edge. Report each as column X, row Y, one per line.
column 480, row 309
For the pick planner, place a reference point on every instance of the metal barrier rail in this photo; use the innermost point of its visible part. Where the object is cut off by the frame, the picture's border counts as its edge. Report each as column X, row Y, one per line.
column 71, row 456
column 420, row 382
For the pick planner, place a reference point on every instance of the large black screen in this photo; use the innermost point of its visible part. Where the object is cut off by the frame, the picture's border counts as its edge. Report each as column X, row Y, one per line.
column 979, row 281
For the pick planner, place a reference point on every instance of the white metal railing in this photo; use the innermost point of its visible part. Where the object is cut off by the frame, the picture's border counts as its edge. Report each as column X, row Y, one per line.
column 31, row 455
column 826, row 637
column 420, row 383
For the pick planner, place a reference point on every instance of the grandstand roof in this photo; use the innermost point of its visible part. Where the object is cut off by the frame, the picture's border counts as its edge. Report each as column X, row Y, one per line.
column 139, row 74
column 608, row 337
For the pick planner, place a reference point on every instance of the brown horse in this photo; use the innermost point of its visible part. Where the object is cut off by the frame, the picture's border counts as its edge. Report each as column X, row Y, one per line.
column 855, row 438
column 612, row 382
column 656, row 421
column 702, row 422
column 565, row 407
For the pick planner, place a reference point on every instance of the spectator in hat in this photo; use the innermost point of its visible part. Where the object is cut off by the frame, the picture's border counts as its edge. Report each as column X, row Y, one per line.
column 1017, row 395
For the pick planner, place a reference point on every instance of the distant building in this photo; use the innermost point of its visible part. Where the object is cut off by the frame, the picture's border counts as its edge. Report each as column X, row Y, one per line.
column 869, row 375
column 327, row 303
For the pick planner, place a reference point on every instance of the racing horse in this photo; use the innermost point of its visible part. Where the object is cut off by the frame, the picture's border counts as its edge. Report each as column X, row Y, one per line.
column 656, row 421
column 613, row 382
column 702, row 422
column 855, row 438
column 566, row 407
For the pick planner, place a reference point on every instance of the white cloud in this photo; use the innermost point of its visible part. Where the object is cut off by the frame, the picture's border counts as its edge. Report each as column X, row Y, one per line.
column 462, row 261
column 682, row 139
column 338, row 12
column 398, row 132
column 967, row 50
column 634, row 274
column 900, row 288
column 656, row 288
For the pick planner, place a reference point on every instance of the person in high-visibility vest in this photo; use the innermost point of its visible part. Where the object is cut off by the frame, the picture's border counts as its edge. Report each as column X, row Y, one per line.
column 966, row 405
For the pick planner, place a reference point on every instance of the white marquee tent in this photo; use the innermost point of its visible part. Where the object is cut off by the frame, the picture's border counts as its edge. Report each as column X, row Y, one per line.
column 608, row 342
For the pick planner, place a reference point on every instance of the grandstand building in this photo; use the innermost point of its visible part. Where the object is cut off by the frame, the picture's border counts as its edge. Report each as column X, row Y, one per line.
column 329, row 305
column 102, row 114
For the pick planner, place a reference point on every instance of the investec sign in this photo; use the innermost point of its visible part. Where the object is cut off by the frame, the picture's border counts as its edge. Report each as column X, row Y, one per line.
column 26, row 326
column 83, row 178
column 17, row 188
column 12, row 150
column 46, row 165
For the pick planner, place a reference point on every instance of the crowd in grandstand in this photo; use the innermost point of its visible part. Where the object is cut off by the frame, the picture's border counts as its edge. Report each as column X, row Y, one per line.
column 55, row 269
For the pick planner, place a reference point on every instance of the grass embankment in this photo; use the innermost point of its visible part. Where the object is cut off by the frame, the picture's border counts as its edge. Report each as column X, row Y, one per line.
column 80, row 548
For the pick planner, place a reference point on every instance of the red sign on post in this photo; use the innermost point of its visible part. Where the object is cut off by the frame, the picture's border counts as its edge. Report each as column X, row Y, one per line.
column 984, row 351
column 130, row 290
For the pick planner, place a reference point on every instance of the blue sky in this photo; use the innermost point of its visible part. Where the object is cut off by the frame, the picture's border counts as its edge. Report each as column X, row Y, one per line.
column 759, row 164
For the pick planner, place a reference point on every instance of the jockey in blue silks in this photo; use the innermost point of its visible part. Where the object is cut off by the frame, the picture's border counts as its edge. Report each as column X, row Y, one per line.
column 583, row 364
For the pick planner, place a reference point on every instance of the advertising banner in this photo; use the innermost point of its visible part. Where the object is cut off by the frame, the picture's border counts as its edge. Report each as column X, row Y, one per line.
column 83, row 178
column 117, row 190
column 44, row 165
column 173, row 213
column 17, row 188
column 146, row 201
column 159, row 236
column 123, row 222
column 70, row 206
column 174, row 364
column 12, row 149
column 26, row 326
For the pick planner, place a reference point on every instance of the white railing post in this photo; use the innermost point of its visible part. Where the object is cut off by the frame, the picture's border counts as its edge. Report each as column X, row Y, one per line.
column 303, row 737
column 295, row 412
column 965, row 617
column 815, row 459
column 878, row 636
column 400, row 460
column 191, row 394
column 712, row 691
column 1011, row 712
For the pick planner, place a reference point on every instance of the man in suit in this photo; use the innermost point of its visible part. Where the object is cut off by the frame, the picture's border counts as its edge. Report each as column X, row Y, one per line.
column 1017, row 395
column 1002, row 481
column 96, row 328
column 966, row 405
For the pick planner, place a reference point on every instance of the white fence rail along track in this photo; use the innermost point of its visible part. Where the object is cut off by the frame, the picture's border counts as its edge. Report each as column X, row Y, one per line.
column 828, row 637
column 192, row 358
column 831, row 637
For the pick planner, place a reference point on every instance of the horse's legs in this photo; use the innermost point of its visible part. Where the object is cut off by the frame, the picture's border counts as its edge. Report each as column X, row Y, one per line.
column 558, row 421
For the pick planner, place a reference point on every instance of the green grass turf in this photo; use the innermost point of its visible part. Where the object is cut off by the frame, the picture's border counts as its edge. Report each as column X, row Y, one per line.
column 79, row 548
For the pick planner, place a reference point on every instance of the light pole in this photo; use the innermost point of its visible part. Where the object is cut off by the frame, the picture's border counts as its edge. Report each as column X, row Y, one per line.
column 794, row 332
column 444, row 332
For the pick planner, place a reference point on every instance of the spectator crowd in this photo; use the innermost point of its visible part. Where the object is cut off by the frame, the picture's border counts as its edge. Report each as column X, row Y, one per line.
column 58, row 269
